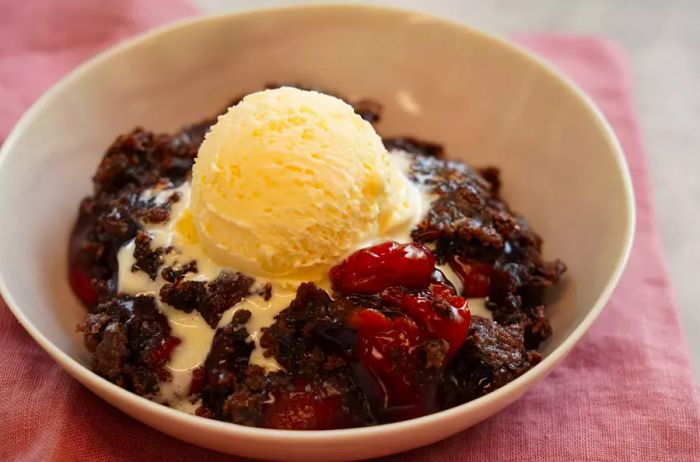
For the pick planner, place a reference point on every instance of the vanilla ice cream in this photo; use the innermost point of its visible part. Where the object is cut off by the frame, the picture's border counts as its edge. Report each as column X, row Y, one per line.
column 290, row 181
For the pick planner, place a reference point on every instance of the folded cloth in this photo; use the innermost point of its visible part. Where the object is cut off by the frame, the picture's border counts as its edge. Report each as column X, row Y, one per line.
column 625, row 392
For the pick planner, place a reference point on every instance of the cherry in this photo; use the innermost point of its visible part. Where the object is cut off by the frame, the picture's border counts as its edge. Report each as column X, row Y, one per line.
column 387, row 357
column 81, row 284
column 439, row 277
column 475, row 276
column 305, row 407
column 373, row 269
column 438, row 310
column 79, row 276
column 165, row 349
column 387, row 350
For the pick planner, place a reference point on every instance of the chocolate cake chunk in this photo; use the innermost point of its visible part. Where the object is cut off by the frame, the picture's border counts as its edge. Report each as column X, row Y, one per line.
column 148, row 259
column 518, row 283
column 130, row 341
column 303, row 337
column 444, row 176
column 175, row 272
column 151, row 213
column 141, row 158
column 184, row 295
column 211, row 298
column 314, row 396
column 492, row 356
column 227, row 362
column 465, row 219
column 246, row 403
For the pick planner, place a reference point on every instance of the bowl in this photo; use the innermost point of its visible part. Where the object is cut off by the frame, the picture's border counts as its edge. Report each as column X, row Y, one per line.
column 488, row 101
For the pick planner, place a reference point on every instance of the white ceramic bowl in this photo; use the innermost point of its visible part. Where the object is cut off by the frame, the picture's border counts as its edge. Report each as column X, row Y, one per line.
column 487, row 100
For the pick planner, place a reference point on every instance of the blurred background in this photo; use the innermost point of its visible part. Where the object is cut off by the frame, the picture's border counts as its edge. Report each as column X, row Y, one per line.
column 662, row 41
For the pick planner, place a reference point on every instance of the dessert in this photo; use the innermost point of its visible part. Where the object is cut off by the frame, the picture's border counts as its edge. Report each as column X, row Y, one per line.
column 285, row 267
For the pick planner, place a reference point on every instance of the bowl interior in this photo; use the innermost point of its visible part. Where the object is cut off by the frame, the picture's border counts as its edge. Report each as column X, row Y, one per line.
column 487, row 103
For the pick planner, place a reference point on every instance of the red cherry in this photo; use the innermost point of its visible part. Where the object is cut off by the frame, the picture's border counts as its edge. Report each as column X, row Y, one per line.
column 305, row 408
column 387, row 350
column 81, row 284
column 165, row 349
column 373, row 269
column 438, row 310
column 475, row 276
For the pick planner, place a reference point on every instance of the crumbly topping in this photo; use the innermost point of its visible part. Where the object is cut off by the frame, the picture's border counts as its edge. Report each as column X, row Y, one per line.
column 210, row 298
column 148, row 259
column 128, row 337
column 175, row 272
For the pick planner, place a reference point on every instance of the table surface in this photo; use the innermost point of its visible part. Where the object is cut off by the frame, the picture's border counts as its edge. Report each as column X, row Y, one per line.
column 662, row 40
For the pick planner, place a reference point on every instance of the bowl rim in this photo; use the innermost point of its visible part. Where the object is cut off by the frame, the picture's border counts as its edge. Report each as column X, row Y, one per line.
column 85, row 376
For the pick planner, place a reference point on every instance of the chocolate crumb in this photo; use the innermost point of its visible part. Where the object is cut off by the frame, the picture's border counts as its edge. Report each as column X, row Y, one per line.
column 435, row 353
column 211, row 298
column 266, row 291
column 174, row 272
column 148, row 259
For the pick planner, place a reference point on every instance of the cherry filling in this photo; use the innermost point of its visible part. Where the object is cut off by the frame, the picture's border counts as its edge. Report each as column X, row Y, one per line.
column 425, row 318
column 373, row 269
column 305, row 406
column 475, row 276
column 440, row 313
column 388, row 368
column 81, row 284
column 78, row 275
column 165, row 350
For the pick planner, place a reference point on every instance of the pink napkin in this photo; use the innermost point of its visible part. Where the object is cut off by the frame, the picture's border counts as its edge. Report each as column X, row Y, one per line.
column 625, row 393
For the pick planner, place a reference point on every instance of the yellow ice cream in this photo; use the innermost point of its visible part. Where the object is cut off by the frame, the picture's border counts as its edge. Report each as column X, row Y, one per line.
column 289, row 181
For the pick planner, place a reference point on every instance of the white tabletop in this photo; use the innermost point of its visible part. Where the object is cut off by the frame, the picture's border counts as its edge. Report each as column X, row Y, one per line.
column 662, row 39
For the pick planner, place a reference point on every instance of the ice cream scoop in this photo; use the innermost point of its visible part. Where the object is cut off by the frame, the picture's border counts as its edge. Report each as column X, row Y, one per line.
column 289, row 181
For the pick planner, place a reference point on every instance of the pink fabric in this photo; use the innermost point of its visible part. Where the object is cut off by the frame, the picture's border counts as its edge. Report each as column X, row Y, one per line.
column 625, row 393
